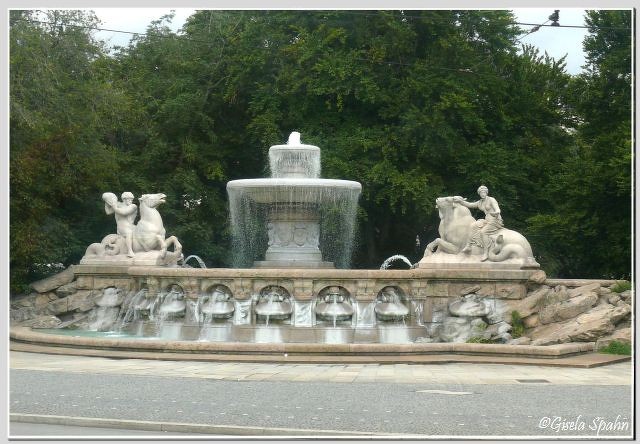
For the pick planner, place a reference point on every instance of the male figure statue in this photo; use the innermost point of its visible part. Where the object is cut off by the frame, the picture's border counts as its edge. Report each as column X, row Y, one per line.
column 125, row 213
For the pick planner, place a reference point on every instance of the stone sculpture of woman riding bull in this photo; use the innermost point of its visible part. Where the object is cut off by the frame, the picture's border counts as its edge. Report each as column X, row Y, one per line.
column 465, row 240
column 143, row 243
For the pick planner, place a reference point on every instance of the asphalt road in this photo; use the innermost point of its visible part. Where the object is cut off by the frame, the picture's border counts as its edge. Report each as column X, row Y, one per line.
column 424, row 409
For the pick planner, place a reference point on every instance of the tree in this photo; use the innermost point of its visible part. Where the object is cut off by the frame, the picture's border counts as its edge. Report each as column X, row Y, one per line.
column 587, row 231
column 64, row 115
column 412, row 104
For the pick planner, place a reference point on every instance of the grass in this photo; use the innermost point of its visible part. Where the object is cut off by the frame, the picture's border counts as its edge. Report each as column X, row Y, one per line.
column 617, row 348
column 517, row 326
column 621, row 286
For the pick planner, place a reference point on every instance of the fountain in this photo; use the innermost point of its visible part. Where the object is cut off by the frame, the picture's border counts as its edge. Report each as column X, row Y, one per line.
column 274, row 303
column 334, row 306
column 294, row 215
column 292, row 240
column 217, row 305
column 390, row 306
column 172, row 305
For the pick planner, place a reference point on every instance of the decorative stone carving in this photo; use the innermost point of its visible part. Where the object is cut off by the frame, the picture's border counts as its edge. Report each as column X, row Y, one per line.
column 465, row 240
column 144, row 243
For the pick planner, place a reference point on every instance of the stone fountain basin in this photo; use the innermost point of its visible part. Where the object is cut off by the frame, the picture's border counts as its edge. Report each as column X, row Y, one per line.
column 301, row 190
column 340, row 311
column 218, row 309
column 274, row 310
column 390, row 311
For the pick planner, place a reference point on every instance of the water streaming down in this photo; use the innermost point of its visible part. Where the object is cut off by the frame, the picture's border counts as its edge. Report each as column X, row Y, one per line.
column 105, row 315
column 271, row 316
column 294, row 218
column 169, row 305
column 130, row 309
column 365, row 314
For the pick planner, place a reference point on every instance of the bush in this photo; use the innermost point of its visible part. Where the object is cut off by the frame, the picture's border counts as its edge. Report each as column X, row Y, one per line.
column 617, row 348
column 517, row 326
column 621, row 286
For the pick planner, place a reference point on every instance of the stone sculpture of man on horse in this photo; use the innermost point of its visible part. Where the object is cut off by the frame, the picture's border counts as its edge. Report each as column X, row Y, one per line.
column 142, row 243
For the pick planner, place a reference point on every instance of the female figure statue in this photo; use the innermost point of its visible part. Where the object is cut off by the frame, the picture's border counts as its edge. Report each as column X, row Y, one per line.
column 483, row 228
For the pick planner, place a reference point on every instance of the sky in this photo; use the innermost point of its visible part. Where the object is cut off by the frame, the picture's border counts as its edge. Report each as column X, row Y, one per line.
column 556, row 41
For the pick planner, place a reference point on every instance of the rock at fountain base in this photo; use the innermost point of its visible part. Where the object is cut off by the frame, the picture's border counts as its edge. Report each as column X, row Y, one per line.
column 292, row 264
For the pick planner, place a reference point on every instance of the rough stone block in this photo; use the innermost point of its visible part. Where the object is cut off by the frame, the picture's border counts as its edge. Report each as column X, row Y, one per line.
column 66, row 290
column 567, row 309
column 558, row 294
column 626, row 295
column 590, row 288
column 531, row 303
column 613, row 298
column 23, row 314
column 42, row 322
column 53, row 282
column 587, row 327
column 619, row 335
column 539, row 277
column 531, row 321
column 82, row 299
column 43, row 299
column 58, row 306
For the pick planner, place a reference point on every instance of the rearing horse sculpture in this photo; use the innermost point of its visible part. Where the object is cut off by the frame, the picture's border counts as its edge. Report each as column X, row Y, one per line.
column 149, row 233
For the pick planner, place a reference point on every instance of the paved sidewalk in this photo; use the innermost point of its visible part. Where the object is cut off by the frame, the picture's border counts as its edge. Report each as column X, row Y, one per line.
column 455, row 373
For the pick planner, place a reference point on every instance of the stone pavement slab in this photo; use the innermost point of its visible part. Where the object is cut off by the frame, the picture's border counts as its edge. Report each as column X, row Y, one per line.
column 460, row 373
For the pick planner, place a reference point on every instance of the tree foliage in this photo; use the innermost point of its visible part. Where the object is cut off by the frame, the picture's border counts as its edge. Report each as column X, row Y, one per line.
column 414, row 105
column 590, row 197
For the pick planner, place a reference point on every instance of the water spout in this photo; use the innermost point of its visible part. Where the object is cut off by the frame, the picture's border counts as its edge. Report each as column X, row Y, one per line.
column 294, row 138
column 395, row 257
column 201, row 263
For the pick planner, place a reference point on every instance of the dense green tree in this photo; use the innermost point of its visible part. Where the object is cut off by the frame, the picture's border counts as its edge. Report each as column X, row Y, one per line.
column 587, row 232
column 64, row 122
column 414, row 105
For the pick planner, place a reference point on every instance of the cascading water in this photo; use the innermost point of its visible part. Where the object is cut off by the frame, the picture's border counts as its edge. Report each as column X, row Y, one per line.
column 295, row 219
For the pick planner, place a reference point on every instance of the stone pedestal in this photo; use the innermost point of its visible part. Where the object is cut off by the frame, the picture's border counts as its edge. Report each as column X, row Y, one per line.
column 294, row 238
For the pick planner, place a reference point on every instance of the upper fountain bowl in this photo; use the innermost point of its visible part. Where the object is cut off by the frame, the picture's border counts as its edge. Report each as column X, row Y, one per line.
column 294, row 159
column 294, row 190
